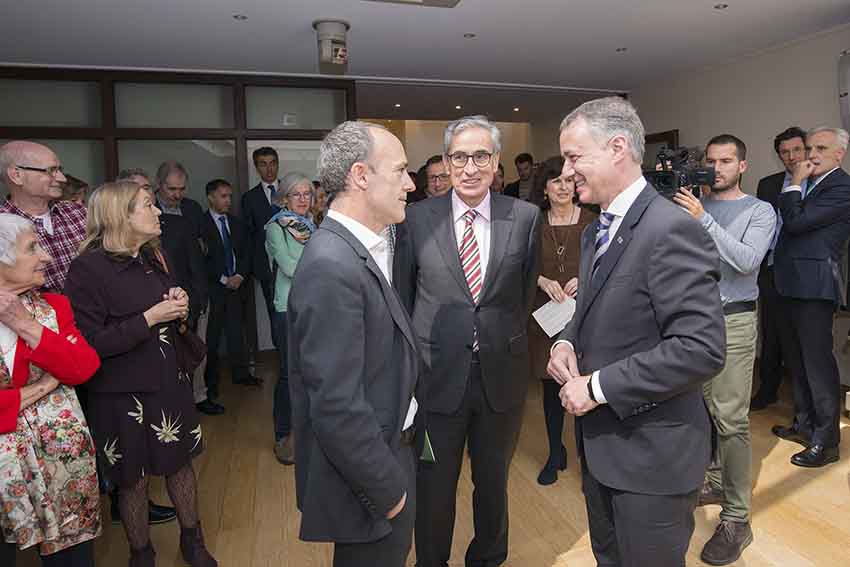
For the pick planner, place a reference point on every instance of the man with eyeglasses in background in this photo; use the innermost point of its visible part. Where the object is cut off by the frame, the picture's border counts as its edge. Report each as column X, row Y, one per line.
column 439, row 182
column 33, row 175
column 467, row 265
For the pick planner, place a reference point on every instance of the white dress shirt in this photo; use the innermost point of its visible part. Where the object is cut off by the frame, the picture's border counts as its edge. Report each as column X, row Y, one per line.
column 480, row 226
column 8, row 346
column 215, row 217
column 811, row 188
column 379, row 249
column 618, row 207
column 269, row 189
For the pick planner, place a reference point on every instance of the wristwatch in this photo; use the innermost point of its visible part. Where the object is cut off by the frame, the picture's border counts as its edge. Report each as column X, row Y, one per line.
column 590, row 389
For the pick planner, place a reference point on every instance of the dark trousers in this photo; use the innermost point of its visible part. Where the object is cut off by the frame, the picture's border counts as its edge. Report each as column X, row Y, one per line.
column 391, row 550
column 770, row 361
column 80, row 555
column 267, row 286
column 637, row 530
column 492, row 438
column 282, row 409
column 226, row 306
column 553, row 413
column 807, row 344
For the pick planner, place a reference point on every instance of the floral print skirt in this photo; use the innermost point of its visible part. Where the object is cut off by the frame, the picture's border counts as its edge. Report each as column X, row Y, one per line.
column 146, row 433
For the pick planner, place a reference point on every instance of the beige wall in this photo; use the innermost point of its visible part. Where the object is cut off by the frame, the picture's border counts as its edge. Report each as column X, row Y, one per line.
column 754, row 98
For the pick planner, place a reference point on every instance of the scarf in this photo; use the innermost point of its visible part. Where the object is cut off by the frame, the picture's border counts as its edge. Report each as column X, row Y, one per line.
column 299, row 227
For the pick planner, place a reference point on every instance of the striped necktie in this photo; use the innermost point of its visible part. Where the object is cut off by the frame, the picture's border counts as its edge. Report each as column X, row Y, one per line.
column 470, row 262
column 602, row 240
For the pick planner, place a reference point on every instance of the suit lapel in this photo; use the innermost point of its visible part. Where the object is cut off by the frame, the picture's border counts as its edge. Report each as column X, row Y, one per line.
column 825, row 182
column 443, row 229
column 619, row 243
column 587, row 238
column 501, row 226
column 391, row 297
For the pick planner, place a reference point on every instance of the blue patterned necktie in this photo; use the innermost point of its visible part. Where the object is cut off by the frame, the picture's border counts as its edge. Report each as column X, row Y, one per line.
column 602, row 240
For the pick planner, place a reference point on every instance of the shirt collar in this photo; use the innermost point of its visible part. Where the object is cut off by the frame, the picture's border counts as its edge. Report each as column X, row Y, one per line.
column 361, row 232
column 623, row 202
column 459, row 208
column 216, row 216
column 11, row 207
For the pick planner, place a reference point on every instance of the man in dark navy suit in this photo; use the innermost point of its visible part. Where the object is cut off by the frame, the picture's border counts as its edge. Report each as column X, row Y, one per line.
column 808, row 273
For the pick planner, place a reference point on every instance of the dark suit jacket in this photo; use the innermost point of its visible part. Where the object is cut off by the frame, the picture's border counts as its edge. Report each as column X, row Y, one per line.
column 512, row 189
column 813, row 241
column 256, row 212
column 768, row 190
column 192, row 212
column 185, row 260
column 651, row 321
column 214, row 255
column 353, row 368
column 427, row 270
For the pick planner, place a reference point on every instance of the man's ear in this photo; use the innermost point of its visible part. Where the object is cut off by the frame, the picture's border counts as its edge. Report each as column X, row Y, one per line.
column 358, row 175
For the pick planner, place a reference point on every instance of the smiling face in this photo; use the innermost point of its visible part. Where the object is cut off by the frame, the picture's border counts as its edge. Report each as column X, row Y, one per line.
column 27, row 272
column 387, row 178
column 791, row 152
column 560, row 191
column 589, row 163
column 472, row 182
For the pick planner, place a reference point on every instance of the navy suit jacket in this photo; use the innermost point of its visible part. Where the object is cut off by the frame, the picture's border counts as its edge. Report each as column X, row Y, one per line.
column 256, row 212
column 813, row 241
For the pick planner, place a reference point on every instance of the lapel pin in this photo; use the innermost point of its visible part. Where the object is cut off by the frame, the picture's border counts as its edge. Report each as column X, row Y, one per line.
column 619, row 240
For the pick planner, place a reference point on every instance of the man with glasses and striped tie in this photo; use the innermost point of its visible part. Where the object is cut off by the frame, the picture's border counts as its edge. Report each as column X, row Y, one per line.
column 467, row 262
column 647, row 333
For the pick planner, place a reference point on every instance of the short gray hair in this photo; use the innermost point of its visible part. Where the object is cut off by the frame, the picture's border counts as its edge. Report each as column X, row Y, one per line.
column 11, row 227
column 608, row 117
column 289, row 182
column 470, row 122
column 165, row 169
column 841, row 135
column 345, row 145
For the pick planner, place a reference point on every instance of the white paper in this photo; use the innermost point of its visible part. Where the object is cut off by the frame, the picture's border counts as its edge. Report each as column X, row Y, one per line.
column 553, row 317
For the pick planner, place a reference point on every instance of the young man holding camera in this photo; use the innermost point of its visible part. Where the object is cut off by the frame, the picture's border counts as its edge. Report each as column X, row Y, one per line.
column 742, row 229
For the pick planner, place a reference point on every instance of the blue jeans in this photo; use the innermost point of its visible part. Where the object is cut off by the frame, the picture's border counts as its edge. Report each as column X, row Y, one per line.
column 282, row 409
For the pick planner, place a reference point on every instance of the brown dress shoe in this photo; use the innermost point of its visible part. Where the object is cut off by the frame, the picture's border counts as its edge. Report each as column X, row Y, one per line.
column 193, row 548
column 284, row 450
column 709, row 495
column 728, row 542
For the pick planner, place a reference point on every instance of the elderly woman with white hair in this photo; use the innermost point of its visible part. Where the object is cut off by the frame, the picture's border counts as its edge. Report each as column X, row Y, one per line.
column 287, row 232
column 48, row 478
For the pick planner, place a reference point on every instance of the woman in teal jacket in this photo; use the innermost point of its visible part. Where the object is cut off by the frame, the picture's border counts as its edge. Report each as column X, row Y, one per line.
column 287, row 232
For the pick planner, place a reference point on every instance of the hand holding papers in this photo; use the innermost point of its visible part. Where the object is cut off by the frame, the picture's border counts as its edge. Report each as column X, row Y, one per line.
column 553, row 317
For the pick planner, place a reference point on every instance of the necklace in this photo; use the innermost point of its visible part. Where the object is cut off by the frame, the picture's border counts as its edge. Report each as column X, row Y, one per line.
column 561, row 247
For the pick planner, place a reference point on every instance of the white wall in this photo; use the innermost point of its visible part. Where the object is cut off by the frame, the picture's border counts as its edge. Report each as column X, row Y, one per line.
column 754, row 98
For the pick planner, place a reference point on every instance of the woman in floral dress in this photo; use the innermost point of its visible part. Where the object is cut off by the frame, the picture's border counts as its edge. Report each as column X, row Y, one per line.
column 140, row 402
column 48, row 479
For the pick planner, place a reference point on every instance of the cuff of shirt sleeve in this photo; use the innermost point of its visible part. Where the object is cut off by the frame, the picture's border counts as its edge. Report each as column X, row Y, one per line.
column 597, row 389
column 561, row 341
column 792, row 188
column 223, row 280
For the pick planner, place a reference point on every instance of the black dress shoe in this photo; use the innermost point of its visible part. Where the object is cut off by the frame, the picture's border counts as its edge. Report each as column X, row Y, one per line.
column 156, row 514
column 209, row 407
column 792, row 434
column 759, row 403
column 815, row 456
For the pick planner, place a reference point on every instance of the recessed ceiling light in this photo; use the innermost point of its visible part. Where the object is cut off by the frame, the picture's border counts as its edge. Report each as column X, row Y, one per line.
column 397, row 105
column 516, row 109
column 622, row 49
column 458, row 107
column 470, row 35
column 721, row 6
column 240, row 17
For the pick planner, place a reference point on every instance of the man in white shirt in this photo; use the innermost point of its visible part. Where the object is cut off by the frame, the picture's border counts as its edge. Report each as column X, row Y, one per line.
column 648, row 331
column 354, row 366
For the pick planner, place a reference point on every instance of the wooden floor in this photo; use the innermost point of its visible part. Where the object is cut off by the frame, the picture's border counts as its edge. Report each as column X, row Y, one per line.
column 801, row 517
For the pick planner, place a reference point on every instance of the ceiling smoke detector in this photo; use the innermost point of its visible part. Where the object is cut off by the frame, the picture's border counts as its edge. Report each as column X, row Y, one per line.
column 429, row 3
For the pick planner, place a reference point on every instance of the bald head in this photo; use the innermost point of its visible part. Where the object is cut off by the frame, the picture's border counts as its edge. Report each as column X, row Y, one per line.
column 20, row 165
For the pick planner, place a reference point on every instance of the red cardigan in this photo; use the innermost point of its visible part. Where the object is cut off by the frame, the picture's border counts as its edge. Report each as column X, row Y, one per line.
column 66, row 355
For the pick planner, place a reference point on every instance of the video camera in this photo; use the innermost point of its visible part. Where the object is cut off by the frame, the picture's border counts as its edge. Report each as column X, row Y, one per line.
column 678, row 168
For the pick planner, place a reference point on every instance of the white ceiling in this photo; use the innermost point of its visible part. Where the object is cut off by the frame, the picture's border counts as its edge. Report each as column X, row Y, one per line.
column 563, row 43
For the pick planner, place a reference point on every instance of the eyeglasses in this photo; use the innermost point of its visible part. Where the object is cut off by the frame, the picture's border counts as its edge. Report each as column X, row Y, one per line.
column 52, row 171
column 301, row 196
column 442, row 177
column 479, row 159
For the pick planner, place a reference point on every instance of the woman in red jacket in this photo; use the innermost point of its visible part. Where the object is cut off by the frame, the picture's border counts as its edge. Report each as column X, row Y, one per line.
column 48, row 480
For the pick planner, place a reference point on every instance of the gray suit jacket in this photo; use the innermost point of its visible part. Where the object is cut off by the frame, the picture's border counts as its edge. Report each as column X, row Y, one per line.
column 433, row 286
column 651, row 321
column 353, row 368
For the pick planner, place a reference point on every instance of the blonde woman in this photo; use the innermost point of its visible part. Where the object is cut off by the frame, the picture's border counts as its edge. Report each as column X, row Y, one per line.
column 140, row 402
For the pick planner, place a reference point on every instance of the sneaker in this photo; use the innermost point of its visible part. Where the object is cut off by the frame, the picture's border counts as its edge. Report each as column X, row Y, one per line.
column 728, row 542
column 284, row 450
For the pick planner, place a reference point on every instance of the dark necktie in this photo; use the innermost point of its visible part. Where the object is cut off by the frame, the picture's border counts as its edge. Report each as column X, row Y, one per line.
column 229, row 268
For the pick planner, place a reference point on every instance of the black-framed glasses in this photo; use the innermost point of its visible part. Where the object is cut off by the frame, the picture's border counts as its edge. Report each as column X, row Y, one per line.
column 479, row 159
column 437, row 178
column 51, row 171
